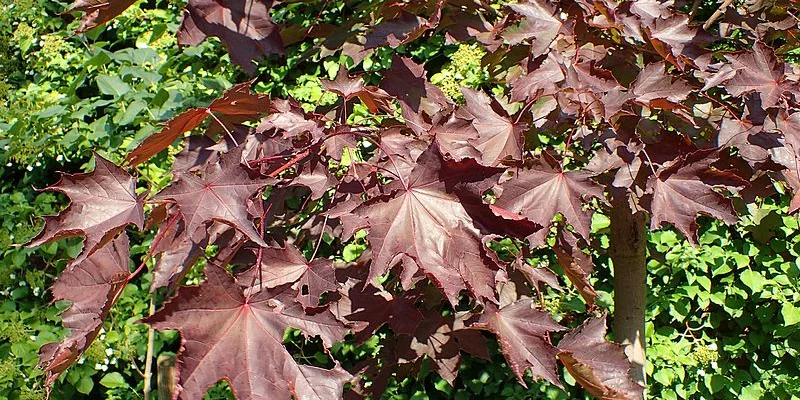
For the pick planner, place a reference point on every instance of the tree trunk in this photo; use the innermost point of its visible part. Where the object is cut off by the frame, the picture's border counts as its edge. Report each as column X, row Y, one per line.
column 628, row 252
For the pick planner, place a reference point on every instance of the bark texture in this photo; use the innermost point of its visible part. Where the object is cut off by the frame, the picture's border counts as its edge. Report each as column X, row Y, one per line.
column 628, row 252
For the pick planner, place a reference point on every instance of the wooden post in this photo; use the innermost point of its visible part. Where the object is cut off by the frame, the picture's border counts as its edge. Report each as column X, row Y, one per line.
column 166, row 376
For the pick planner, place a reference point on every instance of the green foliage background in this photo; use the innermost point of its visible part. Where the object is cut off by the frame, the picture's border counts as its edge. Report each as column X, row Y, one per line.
column 723, row 318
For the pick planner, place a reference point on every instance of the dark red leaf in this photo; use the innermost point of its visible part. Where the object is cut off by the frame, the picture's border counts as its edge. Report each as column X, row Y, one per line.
column 235, row 101
column 92, row 287
column 219, row 195
column 545, row 190
column 175, row 254
column 102, row 203
column 498, row 137
column 370, row 308
column 577, row 265
column 226, row 335
column 654, row 84
column 441, row 339
column 98, row 12
column 680, row 192
column 540, row 25
column 430, row 225
column 373, row 97
column 396, row 31
column 287, row 265
column 244, row 27
column 541, row 81
column 523, row 335
column 599, row 366
column 675, row 40
column 759, row 71
column 419, row 99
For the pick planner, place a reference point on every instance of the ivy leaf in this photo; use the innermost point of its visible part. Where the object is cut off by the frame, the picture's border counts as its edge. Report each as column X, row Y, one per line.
column 684, row 189
column 545, row 190
column 236, row 101
column 287, row 265
column 92, row 287
column 523, row 335
column 102, row 203
column 98, row 12
column 599, row 366
column 219, row 195
column 226, row 335
column 244, row 27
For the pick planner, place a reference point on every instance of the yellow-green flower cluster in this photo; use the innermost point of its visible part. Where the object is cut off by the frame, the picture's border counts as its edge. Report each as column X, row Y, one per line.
column 14, row 331
column 8, row 369
column 32, row 394
column 449, row 85
column 552, row 305
column 467, row 59
column 705, row 354
column 24, row 32
column 464, row 69
column 163, row 42
column 96, row 352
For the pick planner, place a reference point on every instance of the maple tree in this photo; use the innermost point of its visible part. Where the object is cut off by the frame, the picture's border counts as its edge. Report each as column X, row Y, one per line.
column 651, row 113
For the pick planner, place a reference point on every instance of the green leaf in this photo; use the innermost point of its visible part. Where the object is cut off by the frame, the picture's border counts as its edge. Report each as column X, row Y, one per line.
column 715, row 383
column 752, row 392
column 664, row 376
column 754, row 280
column 790, row 313
column 130, row 113
column 101, row 58
column 112, row 85
column 85, row 385
column 113, row 380
column 600, row 222
column 704, row 282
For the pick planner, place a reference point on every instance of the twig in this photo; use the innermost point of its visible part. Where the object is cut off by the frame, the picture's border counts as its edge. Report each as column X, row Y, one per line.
column 264, row 212
column 148, row 363
column 324, row 224
column 225, row 128
column 717, row 13
column 525, row 108
column 150, row 252
column 290, row 163
column 695, row 7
